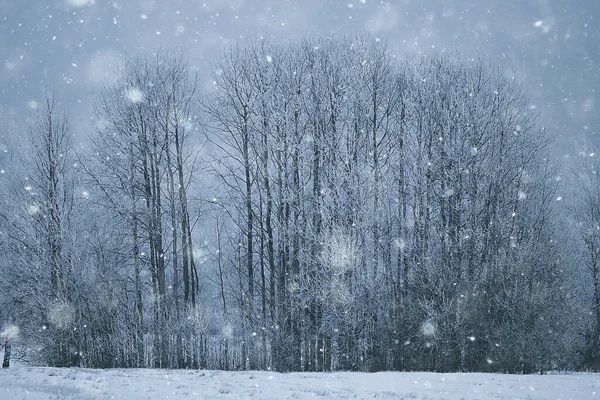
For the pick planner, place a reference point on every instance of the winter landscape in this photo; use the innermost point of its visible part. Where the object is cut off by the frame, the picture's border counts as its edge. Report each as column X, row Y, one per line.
column 298, row 199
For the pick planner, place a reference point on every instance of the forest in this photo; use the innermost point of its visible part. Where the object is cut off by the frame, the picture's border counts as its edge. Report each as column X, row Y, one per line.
column 323, row 205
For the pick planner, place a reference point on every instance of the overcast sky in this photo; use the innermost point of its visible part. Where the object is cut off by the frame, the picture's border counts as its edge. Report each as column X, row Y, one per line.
column 74, row 45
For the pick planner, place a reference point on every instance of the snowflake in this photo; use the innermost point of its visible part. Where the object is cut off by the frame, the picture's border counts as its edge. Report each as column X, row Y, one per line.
column 134, row 95
column 428, row 329
column 10, row 332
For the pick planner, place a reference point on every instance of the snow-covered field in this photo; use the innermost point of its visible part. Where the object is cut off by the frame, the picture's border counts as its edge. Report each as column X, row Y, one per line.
column 23, row 382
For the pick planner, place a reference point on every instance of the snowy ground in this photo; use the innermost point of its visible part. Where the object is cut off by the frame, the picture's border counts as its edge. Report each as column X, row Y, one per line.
column 23, row 382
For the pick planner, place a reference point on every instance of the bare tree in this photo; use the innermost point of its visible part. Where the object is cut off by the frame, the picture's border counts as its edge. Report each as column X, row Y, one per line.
column 587, row 215
column 142, row 170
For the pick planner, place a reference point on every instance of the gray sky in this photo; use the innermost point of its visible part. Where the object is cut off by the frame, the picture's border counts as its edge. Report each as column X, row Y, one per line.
column 74, row 45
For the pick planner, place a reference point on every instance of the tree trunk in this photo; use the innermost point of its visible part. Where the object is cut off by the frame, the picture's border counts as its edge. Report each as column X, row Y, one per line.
column 7, row 348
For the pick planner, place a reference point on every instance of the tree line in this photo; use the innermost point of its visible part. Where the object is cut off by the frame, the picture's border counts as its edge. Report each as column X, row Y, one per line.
column 323, row 205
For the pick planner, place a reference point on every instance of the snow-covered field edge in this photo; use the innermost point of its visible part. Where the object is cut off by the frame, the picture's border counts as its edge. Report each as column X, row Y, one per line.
column 24, row 382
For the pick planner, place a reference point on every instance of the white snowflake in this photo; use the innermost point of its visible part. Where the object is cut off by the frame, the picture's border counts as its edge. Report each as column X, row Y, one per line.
column 134, row 95
column 80, row 3
column 428, row 329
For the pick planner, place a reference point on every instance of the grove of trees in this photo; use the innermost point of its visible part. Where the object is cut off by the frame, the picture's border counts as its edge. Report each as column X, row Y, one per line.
column 325, row 205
